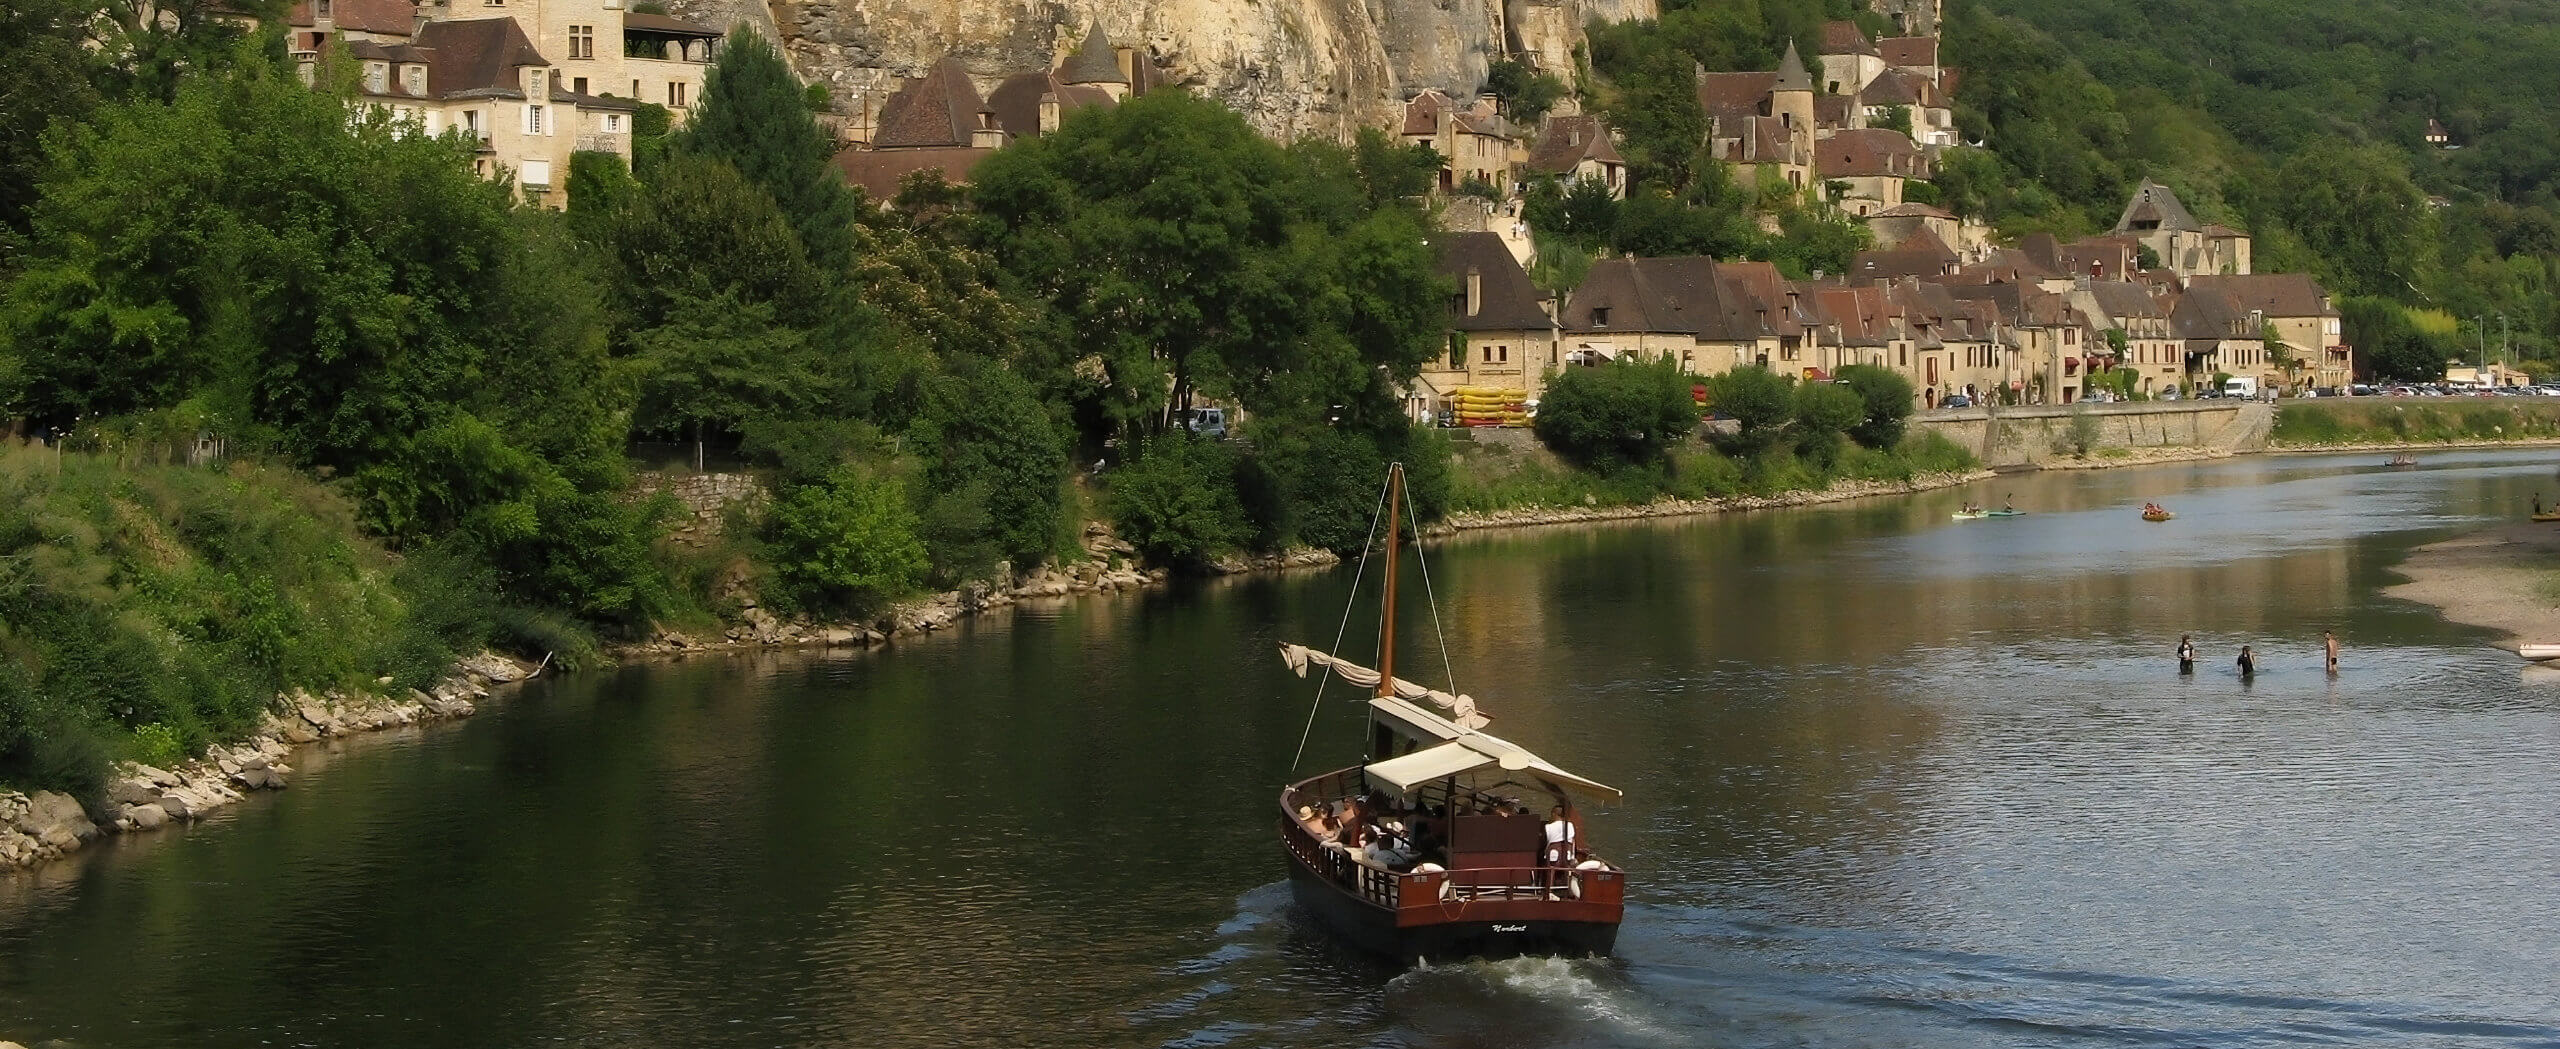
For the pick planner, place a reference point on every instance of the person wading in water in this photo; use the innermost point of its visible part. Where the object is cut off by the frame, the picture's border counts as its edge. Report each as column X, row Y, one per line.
column 2186, row 654
column 2248, row 663
column 2329, row 642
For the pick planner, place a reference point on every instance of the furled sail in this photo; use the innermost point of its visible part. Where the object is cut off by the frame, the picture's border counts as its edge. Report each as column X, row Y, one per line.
column 1460, row 709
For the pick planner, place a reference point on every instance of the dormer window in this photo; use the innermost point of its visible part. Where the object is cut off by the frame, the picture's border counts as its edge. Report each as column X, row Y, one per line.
column 320, row 8
column 1600, row 316
column 377, row 77
column 417, row 80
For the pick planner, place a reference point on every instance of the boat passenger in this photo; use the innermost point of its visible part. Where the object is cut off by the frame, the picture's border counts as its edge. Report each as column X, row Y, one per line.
column 1560, row 838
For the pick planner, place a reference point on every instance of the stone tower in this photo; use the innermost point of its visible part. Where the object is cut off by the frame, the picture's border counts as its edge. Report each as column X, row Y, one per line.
column 1791, row 98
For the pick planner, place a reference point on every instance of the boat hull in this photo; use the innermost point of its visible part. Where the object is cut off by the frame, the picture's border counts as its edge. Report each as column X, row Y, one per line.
column 1374, row 929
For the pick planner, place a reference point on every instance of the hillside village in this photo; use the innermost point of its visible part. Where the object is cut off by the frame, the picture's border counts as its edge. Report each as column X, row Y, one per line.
column 2163, row 305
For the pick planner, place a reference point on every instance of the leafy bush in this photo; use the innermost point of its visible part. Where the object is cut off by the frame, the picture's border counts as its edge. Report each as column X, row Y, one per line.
column 2083, row 434
column 848, row 542
column 1824, row 413
column 1887, row 395
column 994, row 470
column 1619, row 413
column 1177, row 503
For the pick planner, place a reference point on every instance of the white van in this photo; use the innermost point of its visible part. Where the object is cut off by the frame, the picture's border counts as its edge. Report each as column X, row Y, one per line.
column 2243, row 388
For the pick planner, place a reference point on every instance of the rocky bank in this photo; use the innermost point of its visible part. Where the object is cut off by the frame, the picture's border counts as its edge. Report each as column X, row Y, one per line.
column 47, row 825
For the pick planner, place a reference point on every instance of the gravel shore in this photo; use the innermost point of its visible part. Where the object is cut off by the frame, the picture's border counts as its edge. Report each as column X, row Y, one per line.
column 2493, row 578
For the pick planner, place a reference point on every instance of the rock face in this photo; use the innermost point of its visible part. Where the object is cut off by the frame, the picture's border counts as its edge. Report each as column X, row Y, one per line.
column 1292, row 67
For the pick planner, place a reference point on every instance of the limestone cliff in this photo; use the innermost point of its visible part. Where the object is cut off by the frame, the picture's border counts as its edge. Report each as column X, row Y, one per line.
column 1292, row 67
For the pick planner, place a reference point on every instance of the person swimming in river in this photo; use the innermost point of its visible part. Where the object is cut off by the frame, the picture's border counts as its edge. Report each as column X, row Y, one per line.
column 2248, row 663
column 2186, row 653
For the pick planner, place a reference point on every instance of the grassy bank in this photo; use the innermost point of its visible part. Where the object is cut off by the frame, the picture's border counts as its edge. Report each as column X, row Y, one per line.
column 2397, row 420
column 1490, row 477
column 148, row 611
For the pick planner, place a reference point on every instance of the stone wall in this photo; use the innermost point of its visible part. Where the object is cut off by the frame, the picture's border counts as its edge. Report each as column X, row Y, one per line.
column 706, row 499
column 2014, row 437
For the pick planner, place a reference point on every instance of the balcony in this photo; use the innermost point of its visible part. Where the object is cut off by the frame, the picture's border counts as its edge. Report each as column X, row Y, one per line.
column 605, row 142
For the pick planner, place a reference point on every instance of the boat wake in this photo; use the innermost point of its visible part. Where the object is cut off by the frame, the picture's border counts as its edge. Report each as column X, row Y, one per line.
column 1522, row 1001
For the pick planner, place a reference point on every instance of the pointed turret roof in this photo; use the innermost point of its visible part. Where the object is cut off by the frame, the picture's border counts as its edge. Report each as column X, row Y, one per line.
column 1095, row 61
column 1791, row 74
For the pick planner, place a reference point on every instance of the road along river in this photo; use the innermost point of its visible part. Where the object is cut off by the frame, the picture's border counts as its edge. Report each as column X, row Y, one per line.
column 1894, row 780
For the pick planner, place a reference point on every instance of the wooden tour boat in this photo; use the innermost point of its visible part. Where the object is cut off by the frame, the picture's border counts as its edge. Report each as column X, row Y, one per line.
column 1461, row 866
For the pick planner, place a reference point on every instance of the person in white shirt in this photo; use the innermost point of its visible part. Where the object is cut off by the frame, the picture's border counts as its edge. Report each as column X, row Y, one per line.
column 1560, row 838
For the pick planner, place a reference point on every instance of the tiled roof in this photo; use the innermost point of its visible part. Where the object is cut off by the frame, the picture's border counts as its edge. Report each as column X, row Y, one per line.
column 2120, row 300
column 1909, row 210
column 1868, row 151
column 1832, row 111
column 2209, row 313
column 1680, row 295
column 879, row 171
column 1508, row 301
column 1909, row 50
column 2218, row 231
column 939, row 108
column 1845, row 38
column 1791, row 72
column 386, row 17
column 1568, row 141
column 1422, row 112
column 648, row 23
column 476, row 55
column 1016, row 102
column 1094, row 62
column 2156, row 203
column 1863, row 315
column 1734, row 94
column 1765, row 293
column 1760, row 140
column 2275, row 294
column 1898, row 87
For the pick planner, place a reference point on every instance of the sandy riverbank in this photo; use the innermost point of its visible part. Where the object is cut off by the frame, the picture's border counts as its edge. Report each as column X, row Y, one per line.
column 2497, row 578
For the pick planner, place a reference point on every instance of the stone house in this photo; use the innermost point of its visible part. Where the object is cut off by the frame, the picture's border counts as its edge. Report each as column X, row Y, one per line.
column 1763, row 122
column 1932, row 122
column 1916, row 53
column 936, row 122
column 2151, row 348
column 1870, row 166
column 1500, row 332
column 603, row 49
column 485, row 79
column 2220, row 335
column 2156, row 219
column 1861, row 324
column 1849, row 59
column 1781, row 307
column 1900, row 223
column 2305, row 320
column 1577, row 148
column 1472, row 139
column 1679, row 309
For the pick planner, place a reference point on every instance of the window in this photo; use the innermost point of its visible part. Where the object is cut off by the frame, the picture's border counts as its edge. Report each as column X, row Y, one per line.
column 1600, row 316
column 377, row 77
column 471, row 123
column 534, row 120
column 535, row 173
column 320, row 9
column 675, row 95
column 582, row 41
column 579, row 85
column 539, row 85
column 417, row 80
column 613, row 123
column 635, row 89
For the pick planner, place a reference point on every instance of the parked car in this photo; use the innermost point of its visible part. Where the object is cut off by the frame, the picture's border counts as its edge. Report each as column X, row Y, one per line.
column 1956, row 400
column 1207, row 422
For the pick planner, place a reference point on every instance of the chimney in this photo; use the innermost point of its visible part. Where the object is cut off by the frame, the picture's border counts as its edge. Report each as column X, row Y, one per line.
column 1475, row 290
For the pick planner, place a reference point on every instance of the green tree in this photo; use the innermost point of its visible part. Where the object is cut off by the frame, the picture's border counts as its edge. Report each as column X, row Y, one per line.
column 43, row 80
column 1887, row 396
column 1758, row 400
column 754, row 115
column 1183, row 253
column 1527, row 94
column 994, row 470
column 1617, row 414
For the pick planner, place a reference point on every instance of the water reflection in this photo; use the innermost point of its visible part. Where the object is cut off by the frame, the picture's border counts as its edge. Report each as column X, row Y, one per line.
column 1894, row 780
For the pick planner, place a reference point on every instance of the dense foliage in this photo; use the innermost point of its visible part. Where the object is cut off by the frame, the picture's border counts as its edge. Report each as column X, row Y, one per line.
column 1621, row 413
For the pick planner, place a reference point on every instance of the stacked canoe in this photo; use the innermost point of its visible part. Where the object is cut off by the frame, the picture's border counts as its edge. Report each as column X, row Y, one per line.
column 1489, row 406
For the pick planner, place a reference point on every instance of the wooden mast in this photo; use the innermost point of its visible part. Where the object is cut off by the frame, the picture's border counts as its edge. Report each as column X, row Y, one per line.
column 1387, row 613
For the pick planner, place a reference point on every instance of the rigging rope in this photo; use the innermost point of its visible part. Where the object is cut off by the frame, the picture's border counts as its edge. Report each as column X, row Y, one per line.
column 1446, row 666
column 1375, row 512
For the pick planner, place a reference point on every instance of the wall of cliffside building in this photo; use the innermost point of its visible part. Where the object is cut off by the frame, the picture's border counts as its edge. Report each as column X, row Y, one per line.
column 1292, row 67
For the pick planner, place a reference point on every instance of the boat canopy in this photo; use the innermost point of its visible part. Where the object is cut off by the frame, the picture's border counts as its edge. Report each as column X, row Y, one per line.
column 1454, row 743
column 1470, row 753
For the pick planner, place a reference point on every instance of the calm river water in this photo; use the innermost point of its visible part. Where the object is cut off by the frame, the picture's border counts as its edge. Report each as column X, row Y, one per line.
column 1892, row 780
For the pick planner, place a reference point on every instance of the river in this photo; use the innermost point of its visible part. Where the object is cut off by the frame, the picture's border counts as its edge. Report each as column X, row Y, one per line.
column 1893, row 780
